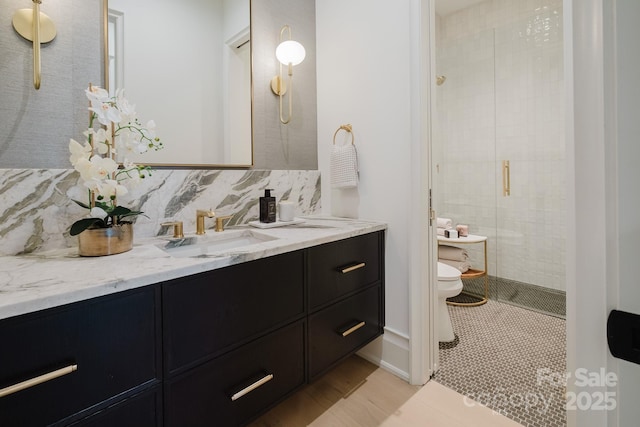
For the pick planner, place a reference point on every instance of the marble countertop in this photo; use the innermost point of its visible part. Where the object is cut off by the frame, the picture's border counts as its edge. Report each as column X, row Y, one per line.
column 42, row 280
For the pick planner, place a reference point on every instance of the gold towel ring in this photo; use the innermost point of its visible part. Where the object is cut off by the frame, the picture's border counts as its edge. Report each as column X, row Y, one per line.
column 346, row 128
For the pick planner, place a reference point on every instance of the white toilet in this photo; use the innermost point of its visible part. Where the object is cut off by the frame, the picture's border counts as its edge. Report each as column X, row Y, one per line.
column 449, row 285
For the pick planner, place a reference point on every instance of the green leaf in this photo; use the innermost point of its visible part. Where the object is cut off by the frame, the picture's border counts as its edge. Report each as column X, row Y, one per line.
column 84, row 223
column 133, row 213
column 120, row 211
column 83, row 205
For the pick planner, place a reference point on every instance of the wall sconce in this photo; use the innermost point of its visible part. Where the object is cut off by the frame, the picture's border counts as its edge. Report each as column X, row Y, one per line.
column 289, row 53
column 38, row 28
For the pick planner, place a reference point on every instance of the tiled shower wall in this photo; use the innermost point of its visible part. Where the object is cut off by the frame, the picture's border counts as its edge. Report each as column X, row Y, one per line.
column 503, row 99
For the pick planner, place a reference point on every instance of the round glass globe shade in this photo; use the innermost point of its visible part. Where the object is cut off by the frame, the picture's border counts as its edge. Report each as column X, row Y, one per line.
column 290, row 52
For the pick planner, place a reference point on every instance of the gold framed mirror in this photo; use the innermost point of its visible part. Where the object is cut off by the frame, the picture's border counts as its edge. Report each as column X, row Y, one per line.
column 188, row 66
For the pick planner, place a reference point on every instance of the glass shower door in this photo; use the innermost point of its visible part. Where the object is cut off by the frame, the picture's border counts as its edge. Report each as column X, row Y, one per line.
column 530, row 157
column 464, row 148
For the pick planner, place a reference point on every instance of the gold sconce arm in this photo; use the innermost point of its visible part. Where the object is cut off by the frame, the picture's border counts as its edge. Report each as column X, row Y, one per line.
column 289, row 53
column 38, row 28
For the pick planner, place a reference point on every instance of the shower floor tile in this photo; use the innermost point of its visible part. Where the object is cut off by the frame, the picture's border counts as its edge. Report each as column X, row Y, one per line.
column 537, row 298
column 503, row 358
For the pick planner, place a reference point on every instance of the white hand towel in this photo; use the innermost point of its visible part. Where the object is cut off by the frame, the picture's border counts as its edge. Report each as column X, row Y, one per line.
column 344, row 166
column 445, row 223
column 463, row 266
column 452, row 253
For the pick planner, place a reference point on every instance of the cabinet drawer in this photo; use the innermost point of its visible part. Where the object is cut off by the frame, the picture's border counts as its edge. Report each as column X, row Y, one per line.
column 341, row 329
column 339, row 268
column 203, row 397
column 142, row 410
column 210, row 313
column 112, row 341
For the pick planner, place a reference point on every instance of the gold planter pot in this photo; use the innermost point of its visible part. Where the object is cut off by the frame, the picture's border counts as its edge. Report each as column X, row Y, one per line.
column 105, row 241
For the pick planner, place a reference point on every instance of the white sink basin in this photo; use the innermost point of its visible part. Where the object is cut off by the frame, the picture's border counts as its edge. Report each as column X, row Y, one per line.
column 214, row 243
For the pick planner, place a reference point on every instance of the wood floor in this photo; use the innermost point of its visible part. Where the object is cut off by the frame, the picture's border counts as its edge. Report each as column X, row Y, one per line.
column 359, row 394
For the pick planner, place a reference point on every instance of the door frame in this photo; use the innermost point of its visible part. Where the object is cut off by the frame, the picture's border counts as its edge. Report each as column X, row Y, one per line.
column 423, row 345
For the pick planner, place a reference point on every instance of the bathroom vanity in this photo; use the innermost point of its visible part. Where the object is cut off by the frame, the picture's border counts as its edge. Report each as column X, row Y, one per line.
column 219, row 340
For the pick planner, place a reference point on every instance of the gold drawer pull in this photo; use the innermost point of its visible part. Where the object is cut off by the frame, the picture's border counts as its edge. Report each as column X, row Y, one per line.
column 353, row 329
column 252, row 387
column 37, row 380
column 352, row 268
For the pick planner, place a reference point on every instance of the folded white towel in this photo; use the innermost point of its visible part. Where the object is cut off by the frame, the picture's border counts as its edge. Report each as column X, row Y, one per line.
column 344, row 166
column 445, row 223
column 441, row 231
column 463, row 266
column 452, row 253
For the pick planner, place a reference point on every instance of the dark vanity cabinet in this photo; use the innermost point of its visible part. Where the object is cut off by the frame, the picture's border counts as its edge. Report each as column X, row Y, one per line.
column 215, row 348
column 346, row 294
column 241, row 330
column 85, row 363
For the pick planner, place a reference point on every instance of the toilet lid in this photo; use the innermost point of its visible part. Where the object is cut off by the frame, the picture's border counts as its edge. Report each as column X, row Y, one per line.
column 446, row 272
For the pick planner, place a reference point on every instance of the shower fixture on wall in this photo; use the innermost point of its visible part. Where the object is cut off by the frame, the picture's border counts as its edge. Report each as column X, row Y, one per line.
column 440, row 80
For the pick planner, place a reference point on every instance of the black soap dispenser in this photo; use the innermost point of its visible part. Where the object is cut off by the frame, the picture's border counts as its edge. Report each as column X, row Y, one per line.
column 267, row 207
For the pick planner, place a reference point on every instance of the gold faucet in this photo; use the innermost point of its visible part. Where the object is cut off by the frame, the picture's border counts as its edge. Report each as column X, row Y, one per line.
column 177, row 228
column 220, row 222
column 200, row 215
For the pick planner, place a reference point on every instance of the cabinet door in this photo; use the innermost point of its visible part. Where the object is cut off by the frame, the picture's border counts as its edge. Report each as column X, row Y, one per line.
column 341, row 329
column 339, row 268
column 111, row 340
column 238, row 386
column 210, row 313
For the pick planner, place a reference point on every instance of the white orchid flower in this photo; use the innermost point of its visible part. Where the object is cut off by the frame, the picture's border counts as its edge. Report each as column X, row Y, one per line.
column 150, row 130
column 78, row 151
column 97, row 212
column 97, row 168
column 106, row 113
column 103, row 166
column 95, row 160
column 102, row 141
column 112, row 188
column 85, row 168
column 127, row 110
column 97, row 95
column 141, row 147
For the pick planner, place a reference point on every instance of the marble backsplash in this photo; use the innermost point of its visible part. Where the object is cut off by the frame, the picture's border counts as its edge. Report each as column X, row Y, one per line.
column 36, row 209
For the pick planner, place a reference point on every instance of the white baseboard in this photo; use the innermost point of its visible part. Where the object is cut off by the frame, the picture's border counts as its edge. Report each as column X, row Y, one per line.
column 390, row 352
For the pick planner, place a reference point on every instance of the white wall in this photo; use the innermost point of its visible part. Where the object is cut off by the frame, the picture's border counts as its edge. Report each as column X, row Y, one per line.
column 363, row 57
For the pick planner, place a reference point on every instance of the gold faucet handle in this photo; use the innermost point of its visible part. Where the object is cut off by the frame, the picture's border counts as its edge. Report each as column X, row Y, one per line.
column 208, row 213
column 178, row 230
column 220, row 222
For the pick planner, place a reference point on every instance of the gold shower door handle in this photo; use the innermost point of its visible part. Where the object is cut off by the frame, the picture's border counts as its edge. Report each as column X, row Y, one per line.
column 506, row 178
